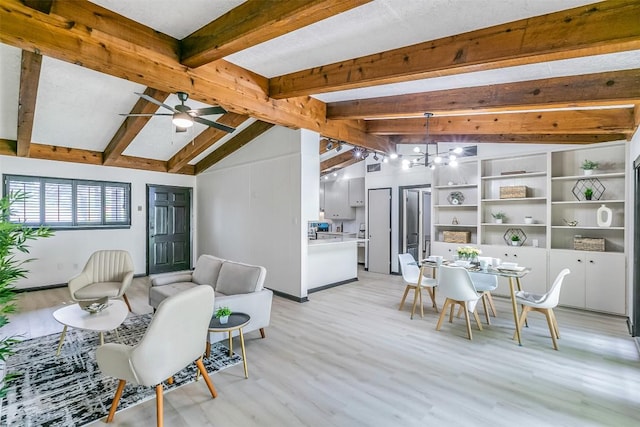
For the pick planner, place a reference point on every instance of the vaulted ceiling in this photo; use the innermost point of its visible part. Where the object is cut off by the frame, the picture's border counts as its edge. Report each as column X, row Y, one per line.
column 359, row 71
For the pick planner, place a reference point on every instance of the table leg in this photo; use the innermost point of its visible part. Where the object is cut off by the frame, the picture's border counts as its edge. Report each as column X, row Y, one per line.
column 101, row 338
column 64, row 332
column 207, row 352
column 526, row 322
column 230, row 344
column 244, row 356
column 515, row 309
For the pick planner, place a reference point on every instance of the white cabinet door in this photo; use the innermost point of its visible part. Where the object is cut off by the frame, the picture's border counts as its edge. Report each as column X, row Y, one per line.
column 605, row 288
column 573, row 287
column 356, row 192
column 534, row 258
column 336, row 201
column 322, row 197
column 446, row 250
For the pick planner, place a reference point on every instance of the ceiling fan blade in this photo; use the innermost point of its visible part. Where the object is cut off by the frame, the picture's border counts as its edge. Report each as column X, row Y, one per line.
column 145, row 115
column 155, row 101
column 207, row 111
column 213, row 124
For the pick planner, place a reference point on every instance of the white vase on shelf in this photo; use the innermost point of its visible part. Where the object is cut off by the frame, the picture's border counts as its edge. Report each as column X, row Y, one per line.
column 587, row 171
column 604, row 216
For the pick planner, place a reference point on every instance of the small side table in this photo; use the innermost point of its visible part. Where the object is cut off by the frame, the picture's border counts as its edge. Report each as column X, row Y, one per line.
column 236, row 321
column 106, row 320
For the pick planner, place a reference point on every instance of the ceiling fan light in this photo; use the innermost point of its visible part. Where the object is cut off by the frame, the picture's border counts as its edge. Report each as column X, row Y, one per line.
column 182, row 120
column 416, row 149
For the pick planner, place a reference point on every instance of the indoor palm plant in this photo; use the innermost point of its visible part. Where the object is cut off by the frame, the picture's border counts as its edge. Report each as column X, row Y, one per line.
column 13, row 237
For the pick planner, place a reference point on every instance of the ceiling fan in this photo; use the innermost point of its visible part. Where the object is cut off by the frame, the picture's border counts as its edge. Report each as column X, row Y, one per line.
column 183, row 115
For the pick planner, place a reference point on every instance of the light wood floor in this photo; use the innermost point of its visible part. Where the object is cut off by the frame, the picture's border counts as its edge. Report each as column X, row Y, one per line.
column 348, row 357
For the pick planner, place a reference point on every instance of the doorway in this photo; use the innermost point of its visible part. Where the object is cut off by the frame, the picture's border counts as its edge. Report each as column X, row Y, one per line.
column 168, row 229
column 379, row 207
column 415, row 221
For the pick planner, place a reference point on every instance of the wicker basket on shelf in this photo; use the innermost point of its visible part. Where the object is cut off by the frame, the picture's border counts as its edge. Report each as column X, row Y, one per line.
column 588, row 244
column 457, row 236
column 513, row 192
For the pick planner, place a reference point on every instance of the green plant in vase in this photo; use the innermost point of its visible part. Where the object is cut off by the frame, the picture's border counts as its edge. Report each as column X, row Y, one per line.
column 13, row 237
column 588, row 166
column 588, row 193
column 223, row 313
column 515, row 240
column 499, row 217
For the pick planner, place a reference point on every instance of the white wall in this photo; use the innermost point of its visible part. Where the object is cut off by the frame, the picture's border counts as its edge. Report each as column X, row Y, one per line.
column 62, row 256
column 251, row 205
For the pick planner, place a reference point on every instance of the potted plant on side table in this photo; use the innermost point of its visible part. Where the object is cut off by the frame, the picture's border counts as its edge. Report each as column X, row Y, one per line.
column 223, row 314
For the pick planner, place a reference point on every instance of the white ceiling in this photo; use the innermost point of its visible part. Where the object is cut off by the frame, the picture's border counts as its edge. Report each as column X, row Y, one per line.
column 80, row 108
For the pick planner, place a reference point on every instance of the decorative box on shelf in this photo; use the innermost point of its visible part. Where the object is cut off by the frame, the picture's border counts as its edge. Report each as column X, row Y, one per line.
column 513, row 192
column 588, row 244
column 457, row 236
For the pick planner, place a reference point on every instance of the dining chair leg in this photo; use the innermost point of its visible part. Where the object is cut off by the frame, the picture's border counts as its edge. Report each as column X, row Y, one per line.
column 523, row 317
column 467, row 319
column 452, row 310
column 475, row 315
column 551, row 328
column 555, row 323
column 262, row 334
column 443, row 313
column 207, row 380
column 116, row 400
column 491, row 304
column 432, row 294
column 484, row 304
column 159, row 406
column 421, row 304
column 404, row 297
column 170, row 380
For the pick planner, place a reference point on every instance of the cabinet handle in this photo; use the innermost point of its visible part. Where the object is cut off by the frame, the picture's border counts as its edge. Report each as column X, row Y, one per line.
column 579, row 260
column 515, row 255
column 506, row 255
column 591, row 261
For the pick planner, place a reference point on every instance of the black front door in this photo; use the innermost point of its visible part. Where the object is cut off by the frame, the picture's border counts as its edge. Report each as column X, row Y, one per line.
column 168, row 229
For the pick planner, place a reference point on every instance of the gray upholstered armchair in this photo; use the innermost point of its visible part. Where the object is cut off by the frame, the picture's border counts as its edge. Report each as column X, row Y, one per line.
column 107, row 274
column 175, row 338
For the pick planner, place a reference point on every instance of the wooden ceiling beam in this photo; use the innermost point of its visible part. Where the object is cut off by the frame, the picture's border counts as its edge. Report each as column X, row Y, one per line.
column 131, row 126
column 336, row 160
column 203, row 141
column 234, row 144
column 616, row 121
column 71, row 37
column 605, row 27
column 598, row 89
column 511, row 138
column 43, row 6
column 254, row 22
column 31, row 64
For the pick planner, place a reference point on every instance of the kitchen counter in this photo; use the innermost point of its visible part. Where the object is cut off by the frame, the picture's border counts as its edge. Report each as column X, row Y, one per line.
column 332, row 262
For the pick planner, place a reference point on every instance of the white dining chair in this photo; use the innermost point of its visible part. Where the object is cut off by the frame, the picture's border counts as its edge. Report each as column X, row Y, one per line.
column 544, row 304
column 411, row 273
column 456, row 286
column 485, row 284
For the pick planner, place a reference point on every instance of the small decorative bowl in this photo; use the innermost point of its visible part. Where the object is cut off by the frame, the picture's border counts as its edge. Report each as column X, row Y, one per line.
column 94, row 306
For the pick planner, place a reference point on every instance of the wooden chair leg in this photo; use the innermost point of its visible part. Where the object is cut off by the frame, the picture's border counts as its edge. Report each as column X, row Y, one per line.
column 555, row 323
column 459, row 312
column 443, row 313
column 207, row 380
column 126, row 300
column 116, row 400
column 159, row 406
column 262, row 334
column 491, row 304
column 475, row 315
column 484, row 304
column 404, row 297
column 523, row 317
column 467, row 319
column 170, row 380
column 552, row 330
column 453, row 307
column 421, row 304
column 432, row 293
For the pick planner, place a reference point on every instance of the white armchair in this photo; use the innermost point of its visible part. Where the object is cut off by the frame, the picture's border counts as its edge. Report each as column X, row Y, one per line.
column 107, row 274
column 175, row 338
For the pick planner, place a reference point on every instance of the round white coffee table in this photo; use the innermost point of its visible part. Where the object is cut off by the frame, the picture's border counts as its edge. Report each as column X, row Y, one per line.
column 106, row 320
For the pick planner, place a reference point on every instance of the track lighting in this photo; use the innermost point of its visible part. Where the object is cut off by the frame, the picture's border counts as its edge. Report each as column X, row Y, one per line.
column 339, row 147
column 375, row 156
column 329, row 146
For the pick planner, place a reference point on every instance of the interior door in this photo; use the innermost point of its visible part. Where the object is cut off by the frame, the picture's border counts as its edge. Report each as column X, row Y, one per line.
column 412, row 223
column 168, row 229
column 379, row 230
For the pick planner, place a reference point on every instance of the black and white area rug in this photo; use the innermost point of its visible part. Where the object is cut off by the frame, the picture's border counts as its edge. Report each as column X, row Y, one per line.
column 70, row 390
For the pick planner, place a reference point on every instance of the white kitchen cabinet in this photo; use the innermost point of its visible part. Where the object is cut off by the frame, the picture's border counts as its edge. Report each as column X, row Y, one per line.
column 534, row 258
column 596, row 282
column 336, row 200
column 322, row 197
column 356, row 192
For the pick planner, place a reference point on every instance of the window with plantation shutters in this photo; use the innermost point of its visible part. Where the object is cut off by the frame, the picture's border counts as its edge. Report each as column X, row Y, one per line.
column 69, row 203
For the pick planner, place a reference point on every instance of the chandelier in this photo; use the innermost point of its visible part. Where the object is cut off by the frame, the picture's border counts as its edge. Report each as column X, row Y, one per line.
column 432, row 158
